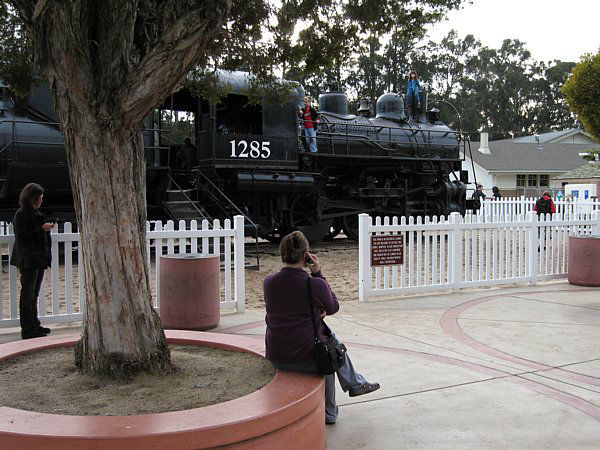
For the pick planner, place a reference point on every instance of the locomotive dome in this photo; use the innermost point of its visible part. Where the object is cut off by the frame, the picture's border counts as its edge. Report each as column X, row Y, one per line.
column 390, row 106
column 334, row 103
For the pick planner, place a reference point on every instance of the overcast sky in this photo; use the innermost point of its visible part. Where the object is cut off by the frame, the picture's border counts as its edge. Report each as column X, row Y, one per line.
column 551, row 29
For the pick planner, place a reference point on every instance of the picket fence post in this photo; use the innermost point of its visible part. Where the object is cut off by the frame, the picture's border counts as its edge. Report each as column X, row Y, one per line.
column 532, row 248
column 595, row 223
column 238, row 264
column 455, row 257
column 364, row 254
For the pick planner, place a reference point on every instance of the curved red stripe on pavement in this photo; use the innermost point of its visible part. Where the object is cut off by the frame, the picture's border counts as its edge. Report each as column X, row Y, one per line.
column 449, row 323
column 582, row 405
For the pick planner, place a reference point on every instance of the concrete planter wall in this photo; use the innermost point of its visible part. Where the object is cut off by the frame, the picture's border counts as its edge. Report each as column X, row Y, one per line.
column 288, row 411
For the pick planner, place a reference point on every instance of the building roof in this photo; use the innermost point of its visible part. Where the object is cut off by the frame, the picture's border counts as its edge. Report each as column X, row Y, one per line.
column 585, row 171
column 551, row 137
column 510, row 156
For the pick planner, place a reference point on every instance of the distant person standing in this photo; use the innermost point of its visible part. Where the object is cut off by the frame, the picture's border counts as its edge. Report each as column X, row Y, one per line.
column 31, row 254
column 478, row 194
column 496, row 193
column 310, row 119
column 186, row 156
column 545, row 204
column 413, row 94
column 187, row 160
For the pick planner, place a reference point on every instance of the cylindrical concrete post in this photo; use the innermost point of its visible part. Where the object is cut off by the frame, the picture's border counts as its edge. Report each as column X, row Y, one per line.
column 584, row 261
column 189, row 291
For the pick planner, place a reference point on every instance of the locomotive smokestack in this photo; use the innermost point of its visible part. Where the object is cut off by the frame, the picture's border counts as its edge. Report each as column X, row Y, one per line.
column 483, row 144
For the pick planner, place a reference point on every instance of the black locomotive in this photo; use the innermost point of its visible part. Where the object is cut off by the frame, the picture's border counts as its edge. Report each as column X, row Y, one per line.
column 253, row 159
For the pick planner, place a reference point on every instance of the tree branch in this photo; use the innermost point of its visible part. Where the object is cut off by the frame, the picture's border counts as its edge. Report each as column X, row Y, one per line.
column 183, row 38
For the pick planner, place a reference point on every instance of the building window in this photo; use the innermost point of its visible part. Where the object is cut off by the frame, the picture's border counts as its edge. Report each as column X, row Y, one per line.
column 544, row 180
column 532, row 180
column 520, row 180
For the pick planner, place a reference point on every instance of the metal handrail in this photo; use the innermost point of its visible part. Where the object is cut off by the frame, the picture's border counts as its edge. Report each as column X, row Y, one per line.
column 29, row 122
column 190, row 200
column 246, row 217
column 378, row 129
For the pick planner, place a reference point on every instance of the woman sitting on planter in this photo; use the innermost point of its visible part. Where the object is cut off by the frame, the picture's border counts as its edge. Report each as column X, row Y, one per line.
column 290, row 338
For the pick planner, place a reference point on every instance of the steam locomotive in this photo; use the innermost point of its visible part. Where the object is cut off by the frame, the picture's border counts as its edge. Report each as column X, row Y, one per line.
column 252, row 159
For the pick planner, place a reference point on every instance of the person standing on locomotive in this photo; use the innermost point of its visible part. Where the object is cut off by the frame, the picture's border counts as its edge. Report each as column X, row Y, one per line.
column 186, row 160
column 413, row 94
column 478, row 194
column 310, row 119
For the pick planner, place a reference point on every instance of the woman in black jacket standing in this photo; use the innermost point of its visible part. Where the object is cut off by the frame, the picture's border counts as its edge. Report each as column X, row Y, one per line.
column 31, row 254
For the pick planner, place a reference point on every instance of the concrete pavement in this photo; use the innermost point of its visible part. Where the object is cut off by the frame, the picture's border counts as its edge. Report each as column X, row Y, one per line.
column 514, row 367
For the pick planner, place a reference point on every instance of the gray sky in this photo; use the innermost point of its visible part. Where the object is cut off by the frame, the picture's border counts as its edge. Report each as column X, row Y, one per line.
column 551, row 29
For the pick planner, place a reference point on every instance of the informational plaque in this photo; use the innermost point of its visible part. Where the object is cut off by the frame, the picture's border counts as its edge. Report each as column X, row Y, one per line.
column 387, row 250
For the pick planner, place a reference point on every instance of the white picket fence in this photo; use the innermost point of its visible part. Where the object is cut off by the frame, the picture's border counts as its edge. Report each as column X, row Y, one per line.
column 513, row 206
column 62, row 296
column 459, row 252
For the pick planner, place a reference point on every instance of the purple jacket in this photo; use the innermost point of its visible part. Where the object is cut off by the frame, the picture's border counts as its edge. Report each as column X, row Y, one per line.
column 290, row 336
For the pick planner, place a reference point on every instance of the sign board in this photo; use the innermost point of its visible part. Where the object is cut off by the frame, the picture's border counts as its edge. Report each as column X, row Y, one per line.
column 387, row 250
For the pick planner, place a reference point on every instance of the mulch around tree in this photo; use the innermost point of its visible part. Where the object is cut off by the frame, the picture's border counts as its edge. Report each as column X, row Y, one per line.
column 48, row 382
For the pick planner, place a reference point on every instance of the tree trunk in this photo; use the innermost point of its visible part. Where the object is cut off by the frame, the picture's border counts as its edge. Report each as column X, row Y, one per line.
column 109, row 63
column 122, row 332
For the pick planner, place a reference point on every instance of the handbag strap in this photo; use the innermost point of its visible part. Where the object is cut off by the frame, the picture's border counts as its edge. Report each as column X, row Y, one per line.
column 312, row 307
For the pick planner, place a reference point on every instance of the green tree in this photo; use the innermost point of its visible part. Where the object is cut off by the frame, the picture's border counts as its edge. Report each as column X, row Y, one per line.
column 108, row 65
column 551, row 112
column 16, row 65
column 582, row 91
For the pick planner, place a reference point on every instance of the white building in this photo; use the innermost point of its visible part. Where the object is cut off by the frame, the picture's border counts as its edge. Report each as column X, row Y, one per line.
column 526, row 165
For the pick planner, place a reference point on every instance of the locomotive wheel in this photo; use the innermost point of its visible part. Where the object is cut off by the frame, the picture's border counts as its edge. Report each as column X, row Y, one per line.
column 334, row 230
column 273, row 235
column 351, row 226
column 303, row 216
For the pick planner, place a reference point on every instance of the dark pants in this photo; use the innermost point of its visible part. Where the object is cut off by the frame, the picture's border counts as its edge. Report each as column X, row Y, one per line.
column 347, row 376
column 31, row 282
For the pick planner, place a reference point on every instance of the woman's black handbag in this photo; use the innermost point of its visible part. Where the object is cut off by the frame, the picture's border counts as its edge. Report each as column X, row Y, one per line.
column 329, row 354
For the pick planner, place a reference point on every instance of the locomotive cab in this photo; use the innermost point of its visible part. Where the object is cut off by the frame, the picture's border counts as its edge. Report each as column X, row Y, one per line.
column 235, row 133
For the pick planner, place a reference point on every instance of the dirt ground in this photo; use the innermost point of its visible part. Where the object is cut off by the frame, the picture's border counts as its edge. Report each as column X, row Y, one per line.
column 339, row 263
column 48, row 382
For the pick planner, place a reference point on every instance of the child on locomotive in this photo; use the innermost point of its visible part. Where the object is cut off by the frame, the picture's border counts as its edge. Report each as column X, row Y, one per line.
column 310, row 120
column 413, row 94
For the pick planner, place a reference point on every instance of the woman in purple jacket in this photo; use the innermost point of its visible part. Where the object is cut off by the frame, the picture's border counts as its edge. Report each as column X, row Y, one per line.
column 290, row 336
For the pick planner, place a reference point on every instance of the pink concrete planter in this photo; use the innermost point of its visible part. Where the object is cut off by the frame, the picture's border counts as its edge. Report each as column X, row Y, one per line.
column 189, row 292
column 289, row 411
column 584, row 261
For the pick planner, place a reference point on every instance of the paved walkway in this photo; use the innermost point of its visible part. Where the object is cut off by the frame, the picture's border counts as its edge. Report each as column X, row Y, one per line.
column 515, row 368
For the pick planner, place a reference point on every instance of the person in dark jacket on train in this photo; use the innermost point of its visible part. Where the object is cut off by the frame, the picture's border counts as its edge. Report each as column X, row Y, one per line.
column 31, row 254
column 290, row 337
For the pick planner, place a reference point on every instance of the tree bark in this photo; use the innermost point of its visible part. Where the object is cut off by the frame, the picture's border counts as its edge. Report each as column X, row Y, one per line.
column 109, row 63
column 122, row 332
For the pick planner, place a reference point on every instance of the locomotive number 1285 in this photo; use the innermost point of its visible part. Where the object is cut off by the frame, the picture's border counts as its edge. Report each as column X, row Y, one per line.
column 241, row 149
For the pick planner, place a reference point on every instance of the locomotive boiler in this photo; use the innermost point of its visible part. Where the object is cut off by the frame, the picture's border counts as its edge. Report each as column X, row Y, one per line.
column 252, row 159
